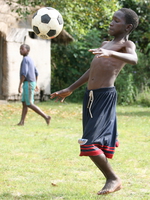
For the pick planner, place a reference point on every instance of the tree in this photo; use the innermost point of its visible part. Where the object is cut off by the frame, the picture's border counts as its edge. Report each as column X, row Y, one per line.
column 134, row 79
column 79, row 15
column 87, row 22
column 142, row 34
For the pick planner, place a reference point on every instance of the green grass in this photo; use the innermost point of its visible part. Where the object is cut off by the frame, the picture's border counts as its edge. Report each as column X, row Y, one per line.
column 41, row 162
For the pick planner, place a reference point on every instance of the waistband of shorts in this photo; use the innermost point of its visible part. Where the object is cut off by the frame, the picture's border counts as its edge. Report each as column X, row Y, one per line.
column 29, row 82
column 106, row 89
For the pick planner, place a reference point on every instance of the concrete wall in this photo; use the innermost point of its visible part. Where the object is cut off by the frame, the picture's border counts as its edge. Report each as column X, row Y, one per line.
column 16, row 32
column 39, row 52
column 13, row 65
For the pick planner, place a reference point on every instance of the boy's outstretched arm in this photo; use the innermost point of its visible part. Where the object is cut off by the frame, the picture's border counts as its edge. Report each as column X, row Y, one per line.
column 62, row 94
column 129, row 56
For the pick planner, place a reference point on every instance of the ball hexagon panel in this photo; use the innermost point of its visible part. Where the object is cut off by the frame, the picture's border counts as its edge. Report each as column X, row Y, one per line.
column 44, row 29
column 42, row 11
column 36, row 21
column 53, row 13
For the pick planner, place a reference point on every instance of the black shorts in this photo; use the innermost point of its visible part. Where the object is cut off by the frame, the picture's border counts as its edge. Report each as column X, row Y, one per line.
column 99, row 122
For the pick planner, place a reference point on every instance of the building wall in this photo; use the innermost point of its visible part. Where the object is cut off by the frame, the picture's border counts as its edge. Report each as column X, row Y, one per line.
column 16, row 32
column 13, row 63
column 39, row 52
column 1, row 61
column 3, row 67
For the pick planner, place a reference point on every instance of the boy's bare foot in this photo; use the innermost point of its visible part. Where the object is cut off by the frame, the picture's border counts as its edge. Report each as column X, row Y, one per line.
column 20, row 124
column 48, row 120
column 110, row 186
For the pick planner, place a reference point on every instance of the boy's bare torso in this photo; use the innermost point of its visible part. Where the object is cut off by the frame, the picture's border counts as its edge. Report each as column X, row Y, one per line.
column 103, row 71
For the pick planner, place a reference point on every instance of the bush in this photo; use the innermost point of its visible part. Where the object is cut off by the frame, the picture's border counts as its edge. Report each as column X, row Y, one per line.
column 126, row 88
column 71, row 61
column 132, row 79
column 143, row 98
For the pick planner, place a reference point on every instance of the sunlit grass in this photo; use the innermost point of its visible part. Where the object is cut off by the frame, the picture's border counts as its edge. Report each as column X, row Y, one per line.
column 42, row 162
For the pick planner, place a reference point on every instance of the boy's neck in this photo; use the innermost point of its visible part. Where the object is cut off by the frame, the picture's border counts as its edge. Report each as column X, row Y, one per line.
column 25, row 55
column 118, row 39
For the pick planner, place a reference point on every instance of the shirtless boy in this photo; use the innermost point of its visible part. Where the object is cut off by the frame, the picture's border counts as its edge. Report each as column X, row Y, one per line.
column 28, row 78
column 99, row 106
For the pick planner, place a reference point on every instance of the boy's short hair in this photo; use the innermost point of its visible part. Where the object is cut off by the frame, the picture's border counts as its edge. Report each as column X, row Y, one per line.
column 26, row 46
column 131, row 17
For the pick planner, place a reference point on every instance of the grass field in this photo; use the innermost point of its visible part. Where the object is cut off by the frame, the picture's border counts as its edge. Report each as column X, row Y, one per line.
column 41, row 162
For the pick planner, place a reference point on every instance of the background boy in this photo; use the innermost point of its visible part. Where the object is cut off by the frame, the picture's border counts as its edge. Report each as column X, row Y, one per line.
column 28, row 77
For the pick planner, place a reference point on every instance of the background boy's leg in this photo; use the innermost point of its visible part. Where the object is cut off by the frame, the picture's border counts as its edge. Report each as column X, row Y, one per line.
column 24, row 113
column 40, row 112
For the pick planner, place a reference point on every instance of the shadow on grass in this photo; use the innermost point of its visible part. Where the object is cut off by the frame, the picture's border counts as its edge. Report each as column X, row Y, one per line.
column 48, row 196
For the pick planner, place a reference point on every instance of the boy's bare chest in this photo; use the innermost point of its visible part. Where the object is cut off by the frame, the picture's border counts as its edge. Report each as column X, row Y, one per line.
column 119, row 47
column 106, row 64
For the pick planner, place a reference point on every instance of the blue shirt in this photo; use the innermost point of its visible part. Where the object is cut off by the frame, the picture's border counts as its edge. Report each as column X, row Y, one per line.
column 28, row 69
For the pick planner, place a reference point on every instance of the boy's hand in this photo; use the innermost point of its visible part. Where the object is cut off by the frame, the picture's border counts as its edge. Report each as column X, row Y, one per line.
column 100, row 52
column 36, row 89
column 61, row 95
column 19, row 89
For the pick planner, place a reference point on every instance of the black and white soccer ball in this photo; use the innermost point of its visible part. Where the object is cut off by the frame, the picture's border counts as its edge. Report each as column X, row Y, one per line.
column 47, row 23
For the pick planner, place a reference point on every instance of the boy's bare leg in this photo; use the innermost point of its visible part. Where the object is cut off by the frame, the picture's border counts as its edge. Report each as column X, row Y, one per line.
column 24, row 113
column 113, row 182
column 40, row 112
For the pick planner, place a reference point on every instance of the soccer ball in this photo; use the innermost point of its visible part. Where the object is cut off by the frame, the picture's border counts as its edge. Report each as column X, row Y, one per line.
column 47, row 23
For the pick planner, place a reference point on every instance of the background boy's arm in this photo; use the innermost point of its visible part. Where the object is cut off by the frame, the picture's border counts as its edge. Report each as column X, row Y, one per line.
column 22, row 79
column 36, row 88
column 129, row 56
column 62, row 94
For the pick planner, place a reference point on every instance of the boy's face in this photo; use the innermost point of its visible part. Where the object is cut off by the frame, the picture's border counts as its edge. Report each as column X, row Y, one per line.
column 118, row 24
column 23, row 51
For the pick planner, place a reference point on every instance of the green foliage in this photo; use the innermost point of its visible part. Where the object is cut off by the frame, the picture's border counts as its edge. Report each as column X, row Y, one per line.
column 142, row 33
column 125, row 87
column 87, row 22
column 132, row 79
column 79, row 15
column 143, row 98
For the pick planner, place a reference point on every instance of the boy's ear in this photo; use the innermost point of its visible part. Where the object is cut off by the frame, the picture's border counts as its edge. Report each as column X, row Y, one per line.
column 129, row 28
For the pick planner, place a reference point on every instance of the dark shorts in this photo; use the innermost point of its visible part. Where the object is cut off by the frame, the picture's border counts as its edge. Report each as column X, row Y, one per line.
column 99, row 122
